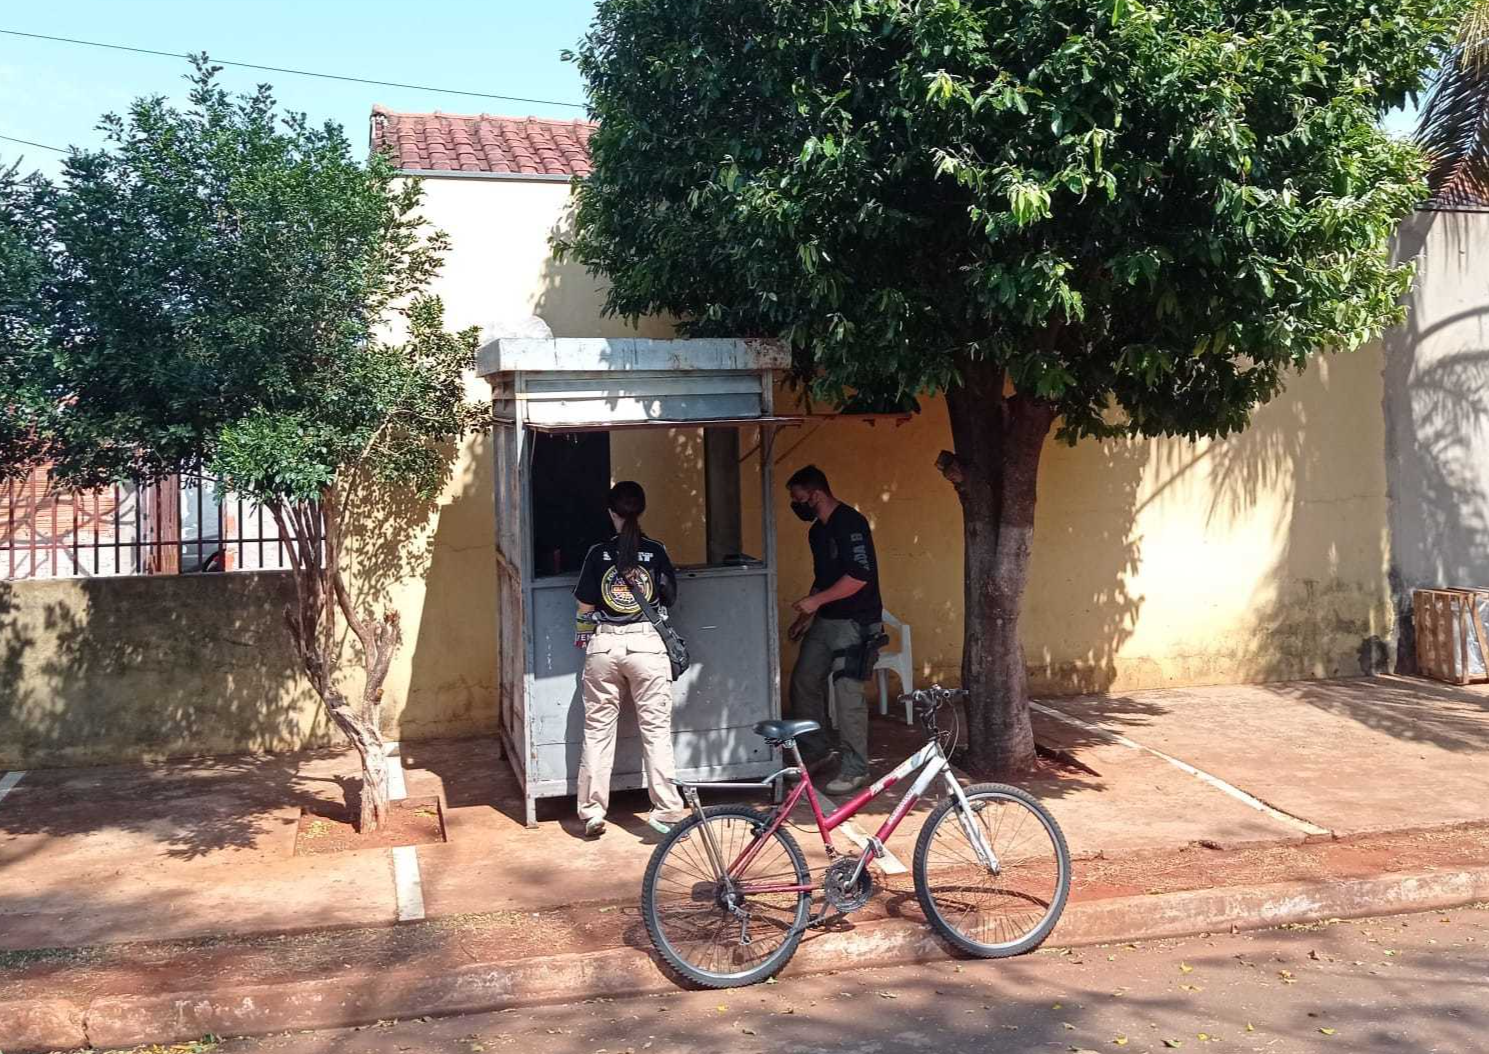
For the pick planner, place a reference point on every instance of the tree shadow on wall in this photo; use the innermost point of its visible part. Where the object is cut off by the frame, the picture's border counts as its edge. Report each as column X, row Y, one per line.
column 1309, row 461
column 452, row 687
column 570, row 298
column 1090, row 525
column 1437, row 414
column 132, row 669
column 128, row 669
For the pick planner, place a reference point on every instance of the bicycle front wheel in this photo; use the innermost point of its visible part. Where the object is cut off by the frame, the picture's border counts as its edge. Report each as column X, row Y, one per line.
column 992, row 912
column 720, row 934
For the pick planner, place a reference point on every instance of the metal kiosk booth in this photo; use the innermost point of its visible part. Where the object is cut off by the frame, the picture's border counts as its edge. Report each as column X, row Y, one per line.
column 571, row 417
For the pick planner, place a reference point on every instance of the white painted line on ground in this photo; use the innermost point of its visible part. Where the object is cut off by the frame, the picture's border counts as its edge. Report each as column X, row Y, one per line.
column 889, row 862
column 407, row 883
column 397, row 789
column 1287, row 819
column 8, row 782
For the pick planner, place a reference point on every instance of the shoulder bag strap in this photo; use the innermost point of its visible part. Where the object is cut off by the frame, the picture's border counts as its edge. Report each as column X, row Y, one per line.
column 646, row 608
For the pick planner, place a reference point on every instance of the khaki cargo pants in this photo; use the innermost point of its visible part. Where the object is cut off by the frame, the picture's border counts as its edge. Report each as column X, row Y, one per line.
column 619, row 661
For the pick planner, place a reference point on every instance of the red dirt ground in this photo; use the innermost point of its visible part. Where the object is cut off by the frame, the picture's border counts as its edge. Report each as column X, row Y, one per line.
column 332, row 829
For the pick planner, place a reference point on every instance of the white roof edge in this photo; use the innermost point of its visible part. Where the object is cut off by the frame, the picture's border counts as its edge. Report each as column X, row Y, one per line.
column 628, row 354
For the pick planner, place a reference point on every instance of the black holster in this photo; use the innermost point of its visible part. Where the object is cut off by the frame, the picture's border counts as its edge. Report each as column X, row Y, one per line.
column 859, row 660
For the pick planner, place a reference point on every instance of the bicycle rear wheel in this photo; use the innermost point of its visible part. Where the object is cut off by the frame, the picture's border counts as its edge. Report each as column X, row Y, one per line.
column 685, row 903
column 984, row 912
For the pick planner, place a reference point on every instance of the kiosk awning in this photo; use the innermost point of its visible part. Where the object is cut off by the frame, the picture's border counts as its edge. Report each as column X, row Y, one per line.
column 697, row 422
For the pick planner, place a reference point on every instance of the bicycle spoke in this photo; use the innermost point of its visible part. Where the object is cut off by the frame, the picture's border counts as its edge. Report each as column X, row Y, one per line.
column 987, row 908
column 690, row 902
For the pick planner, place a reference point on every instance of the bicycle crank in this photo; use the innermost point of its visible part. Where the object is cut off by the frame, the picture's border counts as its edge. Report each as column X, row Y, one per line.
column 840, row 888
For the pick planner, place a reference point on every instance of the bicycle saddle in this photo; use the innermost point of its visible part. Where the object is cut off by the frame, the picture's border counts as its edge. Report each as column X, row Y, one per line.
column 780, row 731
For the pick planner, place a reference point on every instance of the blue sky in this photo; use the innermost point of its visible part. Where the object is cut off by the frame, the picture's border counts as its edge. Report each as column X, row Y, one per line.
column 54, row 93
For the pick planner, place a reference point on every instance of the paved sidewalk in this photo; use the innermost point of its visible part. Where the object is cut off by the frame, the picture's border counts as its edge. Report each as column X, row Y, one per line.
column 205, row 848
column 1185, row 810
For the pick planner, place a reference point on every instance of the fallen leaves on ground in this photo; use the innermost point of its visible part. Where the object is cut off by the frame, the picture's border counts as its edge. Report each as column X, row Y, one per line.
column 197, row 1046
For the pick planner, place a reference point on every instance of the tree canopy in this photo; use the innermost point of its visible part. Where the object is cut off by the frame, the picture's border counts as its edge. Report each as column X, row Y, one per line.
column 1161, row 207
column 221, row 290
column 27, row 384
column 1104, row 216
column 215, row 295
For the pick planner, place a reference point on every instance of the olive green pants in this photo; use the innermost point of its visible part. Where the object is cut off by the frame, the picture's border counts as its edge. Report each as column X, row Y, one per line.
column 809, row 695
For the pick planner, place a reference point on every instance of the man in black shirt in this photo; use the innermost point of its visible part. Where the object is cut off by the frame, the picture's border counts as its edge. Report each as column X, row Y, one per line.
column 843, row 611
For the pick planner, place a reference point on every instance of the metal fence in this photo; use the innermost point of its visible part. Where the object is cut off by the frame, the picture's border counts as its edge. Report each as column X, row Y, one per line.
column 180, row 525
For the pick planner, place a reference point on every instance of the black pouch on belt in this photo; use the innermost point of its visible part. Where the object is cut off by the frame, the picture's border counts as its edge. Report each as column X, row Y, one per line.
column 859, row 660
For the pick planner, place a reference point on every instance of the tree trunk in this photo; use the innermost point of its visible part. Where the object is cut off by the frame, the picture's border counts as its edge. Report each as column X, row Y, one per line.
column 320, row 593
column 367, row 738
column 998, row 442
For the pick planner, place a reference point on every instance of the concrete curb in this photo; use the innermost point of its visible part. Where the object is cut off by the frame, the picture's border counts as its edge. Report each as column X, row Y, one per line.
column 365, row 998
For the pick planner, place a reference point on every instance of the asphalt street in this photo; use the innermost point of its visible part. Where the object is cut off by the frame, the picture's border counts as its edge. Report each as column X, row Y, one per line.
column 1409, row 983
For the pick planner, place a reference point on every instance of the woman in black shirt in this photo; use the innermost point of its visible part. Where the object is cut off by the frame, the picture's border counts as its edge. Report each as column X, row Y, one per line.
column 624, row 654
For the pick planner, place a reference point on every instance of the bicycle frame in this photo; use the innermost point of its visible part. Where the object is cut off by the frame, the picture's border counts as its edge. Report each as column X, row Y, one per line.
column 934, row 765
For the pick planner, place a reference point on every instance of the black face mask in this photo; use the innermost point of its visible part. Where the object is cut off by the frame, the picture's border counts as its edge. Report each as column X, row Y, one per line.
column 803, row 510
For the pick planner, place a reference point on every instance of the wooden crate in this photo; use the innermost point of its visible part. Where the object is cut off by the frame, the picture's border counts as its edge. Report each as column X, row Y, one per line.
column 1452, row 644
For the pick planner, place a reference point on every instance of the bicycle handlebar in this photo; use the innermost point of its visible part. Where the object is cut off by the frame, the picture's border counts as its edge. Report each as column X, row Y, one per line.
column 927, row 701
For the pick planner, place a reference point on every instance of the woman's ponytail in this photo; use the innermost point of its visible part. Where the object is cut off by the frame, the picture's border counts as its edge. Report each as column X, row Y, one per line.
column 628, row 501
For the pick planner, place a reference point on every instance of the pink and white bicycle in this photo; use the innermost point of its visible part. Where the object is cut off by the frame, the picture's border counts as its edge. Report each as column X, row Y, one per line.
column 728, row 894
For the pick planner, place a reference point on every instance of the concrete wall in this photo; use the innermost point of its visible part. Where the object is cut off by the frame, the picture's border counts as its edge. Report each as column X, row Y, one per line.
column 121, row 669
column 1156, row 563
column 1437, row 412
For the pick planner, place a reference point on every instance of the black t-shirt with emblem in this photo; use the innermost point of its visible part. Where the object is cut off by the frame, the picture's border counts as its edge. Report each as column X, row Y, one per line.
column 602, row 584
column 844, row 546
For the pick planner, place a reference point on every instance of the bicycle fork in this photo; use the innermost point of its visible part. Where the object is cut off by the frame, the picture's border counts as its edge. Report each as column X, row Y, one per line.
column 970, row 827
column 720, row 865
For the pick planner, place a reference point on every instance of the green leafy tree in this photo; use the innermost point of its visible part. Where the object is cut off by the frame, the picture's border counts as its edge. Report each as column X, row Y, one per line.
column 27, row 379
column 215, row 302
column 1102, row 217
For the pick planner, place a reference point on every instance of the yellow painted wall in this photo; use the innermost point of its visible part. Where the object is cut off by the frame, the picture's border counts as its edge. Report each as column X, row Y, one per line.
column 1156, row 563
column 499, row 270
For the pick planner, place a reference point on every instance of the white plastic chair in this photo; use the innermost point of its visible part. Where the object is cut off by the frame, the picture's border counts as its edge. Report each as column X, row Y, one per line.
column 898, row 662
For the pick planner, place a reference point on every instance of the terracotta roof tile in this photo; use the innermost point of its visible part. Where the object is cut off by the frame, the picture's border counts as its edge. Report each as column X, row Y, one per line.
column 1462, row 192
column 451, row 142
